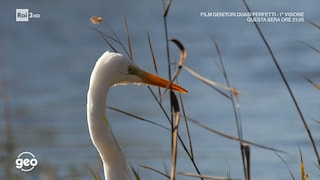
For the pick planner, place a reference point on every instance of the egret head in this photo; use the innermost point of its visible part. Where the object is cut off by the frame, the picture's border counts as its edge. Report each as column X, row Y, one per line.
column 118, row 69
column 112, row 69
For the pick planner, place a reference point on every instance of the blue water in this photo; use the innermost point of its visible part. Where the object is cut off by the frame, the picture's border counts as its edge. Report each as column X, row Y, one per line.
column 46, row 64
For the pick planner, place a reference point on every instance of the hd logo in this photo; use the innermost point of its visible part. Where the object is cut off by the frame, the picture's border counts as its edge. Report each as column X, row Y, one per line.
column 23, row 15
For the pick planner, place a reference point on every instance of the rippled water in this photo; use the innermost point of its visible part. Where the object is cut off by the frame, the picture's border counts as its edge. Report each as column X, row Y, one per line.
column 46, row 63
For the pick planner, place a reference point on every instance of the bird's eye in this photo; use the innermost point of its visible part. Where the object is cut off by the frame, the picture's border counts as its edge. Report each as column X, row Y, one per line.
column 130, row 70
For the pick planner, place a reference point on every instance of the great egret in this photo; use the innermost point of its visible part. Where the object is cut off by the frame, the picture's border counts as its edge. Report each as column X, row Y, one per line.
column 113, row 69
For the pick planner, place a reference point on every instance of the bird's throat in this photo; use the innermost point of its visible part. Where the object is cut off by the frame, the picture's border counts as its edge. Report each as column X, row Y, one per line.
column 114, row 163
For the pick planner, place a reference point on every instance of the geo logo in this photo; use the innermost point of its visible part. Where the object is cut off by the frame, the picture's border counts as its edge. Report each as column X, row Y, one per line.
column 26, row 161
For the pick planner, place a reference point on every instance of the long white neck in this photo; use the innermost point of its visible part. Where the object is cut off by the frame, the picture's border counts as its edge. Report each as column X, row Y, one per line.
column 114, row 164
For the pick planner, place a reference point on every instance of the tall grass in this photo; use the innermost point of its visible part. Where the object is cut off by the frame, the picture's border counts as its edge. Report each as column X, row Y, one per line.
column 177, row 110
column 284, row 79
column 304, row 176
column 177, row 114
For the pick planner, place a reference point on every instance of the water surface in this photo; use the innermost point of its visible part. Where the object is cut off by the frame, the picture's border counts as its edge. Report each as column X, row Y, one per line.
column 47, row 62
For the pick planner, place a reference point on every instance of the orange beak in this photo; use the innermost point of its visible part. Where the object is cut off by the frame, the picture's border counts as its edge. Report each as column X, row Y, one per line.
column 160, row 82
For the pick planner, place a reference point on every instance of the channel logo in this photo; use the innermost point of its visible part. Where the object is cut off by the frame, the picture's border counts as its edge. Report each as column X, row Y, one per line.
column 23, row 15
column 26, row 161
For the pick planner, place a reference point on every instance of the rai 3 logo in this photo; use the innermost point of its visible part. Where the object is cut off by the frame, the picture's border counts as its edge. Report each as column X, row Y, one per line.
column 23, row 15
